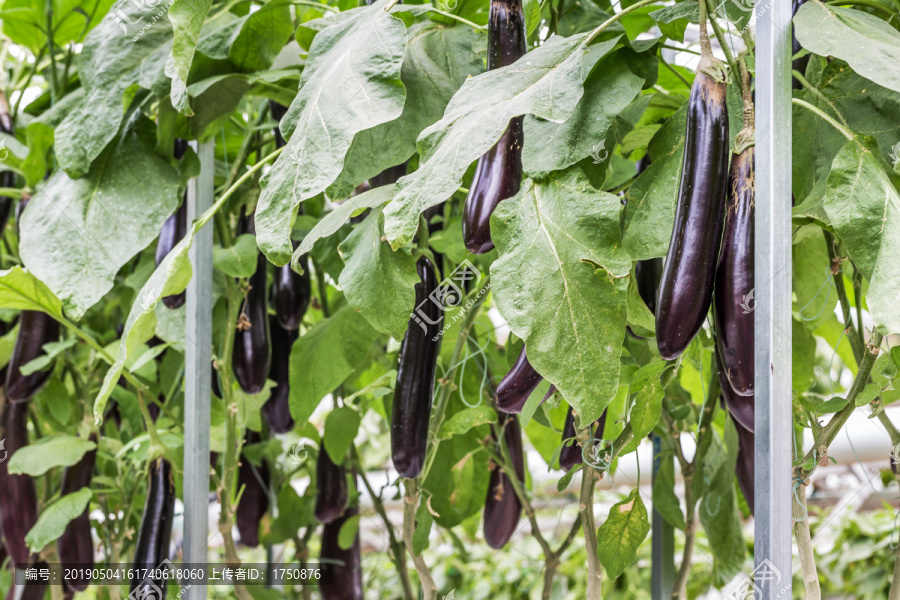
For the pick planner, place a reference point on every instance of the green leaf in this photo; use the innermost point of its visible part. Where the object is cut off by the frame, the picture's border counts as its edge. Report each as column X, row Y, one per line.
column 559, row 283
column 665, row 501
column 109, row 64
column 55, row 518
column 49, row 453
column 566, row 479
column 325, row 356
column 608, row 89
column 187, row 18
column 25, row 21
column 438, row 60
column 341, row 427
column 68, row 231
column 351, row 82
column 240, row 259
column 349, row 532
column 458, row 479
column 620, row 536
column 466, row 419
column 377, row 282
column 293, row 513
column 424, row 521
column 51, row 351
column 532, row 9
column 869, row 44
column 545, row 83
column 641, row 320
column 649, row 387
column 673, row 20
column 262, row 36
column 868, row 394
column 20, row 290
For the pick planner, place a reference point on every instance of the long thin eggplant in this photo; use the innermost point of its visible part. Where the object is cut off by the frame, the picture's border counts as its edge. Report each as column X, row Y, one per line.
column 7, row 177
column 686, row 288
column 346, row 579
column 502, row 508
column 251, row 356
column 173, row 231
column 36, row 328
column 734, row 301
column 570, row 455
column 156, row 525
column 498, row 173
column 75, row 546
column 414, row 391
column 740, row 407
column 18, row 499
column 331, row 488
column 745, row 462
column 254, row 500
column 516, row 386
column 277, row 409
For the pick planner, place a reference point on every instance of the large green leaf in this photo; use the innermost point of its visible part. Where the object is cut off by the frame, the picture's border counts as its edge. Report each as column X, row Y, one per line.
column 560, row 283
column 351, row 83
column 187, row 18
column 262, row 36
column 110, row 62
column 77, row 234
column 869, row 44
column 863, row 205
column 546, row 83
column 25, row 21
column 458, row 479
column 341, row 427
column 20, row 290
column 609, row 88
column 378, row 282
column 55, row 518
column 58, row 451
column 438, row 60
column 325, row 356
column 622, row 533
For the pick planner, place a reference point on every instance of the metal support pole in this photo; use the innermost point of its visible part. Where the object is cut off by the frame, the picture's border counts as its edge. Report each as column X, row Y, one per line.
column 773, row 415
column 197, row 347
column 662, row 557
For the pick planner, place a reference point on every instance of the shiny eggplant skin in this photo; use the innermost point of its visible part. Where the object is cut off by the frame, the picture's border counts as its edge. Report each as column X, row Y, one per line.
column 740, row 407
column 799, row 64
column 734, row 278
column 254, row 501
column 414, row 391
column 75, row 546
column 18, row 500
column 331, row 488
column 277, row 409
column 152, row 546
column 8, row 177
column 498, row 173
column 35, row 329
column 745, row 462
column 686, row 288
column 290, row 295
column 346, row 579
column 251, row 357
column 516, row 386
column 570, row 455
column 502, row 508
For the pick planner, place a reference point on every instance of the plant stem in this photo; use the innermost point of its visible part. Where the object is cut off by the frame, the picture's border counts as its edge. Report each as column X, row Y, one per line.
column 586, row 508
column 474, row 26
column 866, row 3
column 705, row 46
column 804, row 545
column 411, row 503
column 815, row 91
column 675, row 72
column 11, row 192
column 602, row 27
column 841, row 290
column 729, row 57
column 845, row 132
column 857, row 300
column 894, row 594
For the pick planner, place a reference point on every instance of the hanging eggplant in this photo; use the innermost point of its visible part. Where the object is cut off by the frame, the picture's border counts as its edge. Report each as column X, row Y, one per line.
column 76, row 546
column 173, row 231
column 7, row 177
column 498, row 173
column 686, row 288
column 36, row 328
column 277, row 409
column 734, row 300
column 18, row 499
column 740, row 407
column 346, row 578
column 570, row 455
column 254, row 500
column 250, row 358
column 516, row 386
column 152, row 546
column 414, row 390
column 290, row 294
column 502, row 507
column 331, row 488
column 745, row 462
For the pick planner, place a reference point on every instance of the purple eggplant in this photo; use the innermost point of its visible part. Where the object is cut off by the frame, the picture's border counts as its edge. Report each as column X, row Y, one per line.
column 745, row 462
column 740, row 407
column 277, row 409
column 516, row 386
column 18, row 500
column 346, row 580
column 570, row 455
column 498, row 173
column 76, row 546
column 290, row 295
column 502, row 508
column 156, row 526
column 331, row 488
column 35, row 329
column 251, row 356
column 254, row 500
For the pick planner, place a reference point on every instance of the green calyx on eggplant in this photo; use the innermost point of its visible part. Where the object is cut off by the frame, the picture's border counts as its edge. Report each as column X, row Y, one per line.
column 516, row 386
column 686, row 287
column 331, row 488
column 251, row 356
column 502, row 508
column 571, row 453
column 346, row 579
column 254, row 500
column 277, row 409
column 414, row 390
column 18, row 500
column 734, row 302
column 36, row 328
column 152, row 546
column 173, row 231
column 76, row 547
column 498, row 173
